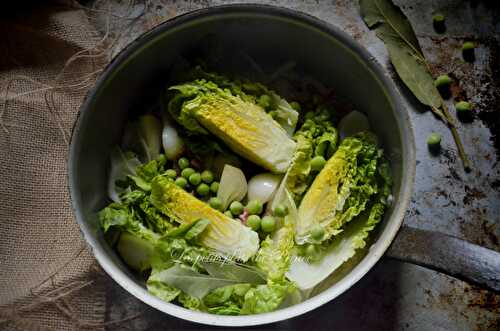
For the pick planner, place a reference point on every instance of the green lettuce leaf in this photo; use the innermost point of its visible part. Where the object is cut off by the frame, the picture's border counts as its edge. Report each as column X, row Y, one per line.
column 316, row 137
column 244, row 299
column 342, row 248
column 297, row 176
column 170, row 251
column 342, row 189
column 189, row 231
column 162, row 290
column 125, row 218
column 275, row 253
column 227, row 300
column 189, row 301
column 202, row 106
column 266, row 298
column 135, row 251
column 223, row 234
column 354, row 236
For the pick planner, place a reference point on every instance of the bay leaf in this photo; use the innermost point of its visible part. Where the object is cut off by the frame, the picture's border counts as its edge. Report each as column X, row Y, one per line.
column 396, row 32
column 233, row 271
column 190, row 281
column 376, row 12
column 412, row 71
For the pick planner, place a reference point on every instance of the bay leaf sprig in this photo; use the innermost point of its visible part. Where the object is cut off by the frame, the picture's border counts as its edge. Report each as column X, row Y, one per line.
column 394, row 29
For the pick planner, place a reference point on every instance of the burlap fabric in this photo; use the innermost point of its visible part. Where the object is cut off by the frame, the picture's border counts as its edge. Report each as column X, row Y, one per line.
column 49, row 58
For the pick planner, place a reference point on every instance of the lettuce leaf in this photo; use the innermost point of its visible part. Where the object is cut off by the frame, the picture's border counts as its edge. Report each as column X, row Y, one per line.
column 275, row 253
column 227, row 300
column 125, row 218
column 354, row 236
column 316, row 137
column 224, row 234
column 189, row 281
column 135, row 251
column 266, row 298
column 297, row 176
column 342, row 189
column 202, row 106
column 162, row 290
column 244, row 299
column 342, row 248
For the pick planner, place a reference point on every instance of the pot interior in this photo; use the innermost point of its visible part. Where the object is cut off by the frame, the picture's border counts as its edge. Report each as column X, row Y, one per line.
column 246, row 41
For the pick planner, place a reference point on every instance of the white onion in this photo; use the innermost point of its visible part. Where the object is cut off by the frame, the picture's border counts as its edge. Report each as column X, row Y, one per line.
column 353, row 123
column 262, row 186
column 172, row 143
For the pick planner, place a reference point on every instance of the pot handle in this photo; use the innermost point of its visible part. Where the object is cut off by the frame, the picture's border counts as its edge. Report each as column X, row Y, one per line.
column 449, row 255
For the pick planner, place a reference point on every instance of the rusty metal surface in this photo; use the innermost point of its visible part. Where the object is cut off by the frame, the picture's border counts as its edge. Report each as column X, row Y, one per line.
column 394, row 295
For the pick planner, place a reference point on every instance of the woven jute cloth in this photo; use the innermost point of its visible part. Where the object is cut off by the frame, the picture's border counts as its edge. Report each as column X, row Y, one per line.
column 49, row 58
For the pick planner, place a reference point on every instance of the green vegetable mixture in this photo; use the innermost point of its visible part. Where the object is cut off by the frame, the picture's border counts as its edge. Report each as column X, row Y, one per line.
column 230, row 199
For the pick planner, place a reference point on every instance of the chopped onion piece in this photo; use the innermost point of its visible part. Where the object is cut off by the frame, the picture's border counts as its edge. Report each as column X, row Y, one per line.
column 232, row 187
column 262, row 187
column 172, row 143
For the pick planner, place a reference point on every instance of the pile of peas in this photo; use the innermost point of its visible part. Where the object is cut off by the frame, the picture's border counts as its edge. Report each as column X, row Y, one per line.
column 204, row 185
column 257, row 222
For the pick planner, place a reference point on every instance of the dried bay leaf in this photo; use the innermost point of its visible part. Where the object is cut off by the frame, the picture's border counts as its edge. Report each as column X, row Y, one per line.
column 394, row 29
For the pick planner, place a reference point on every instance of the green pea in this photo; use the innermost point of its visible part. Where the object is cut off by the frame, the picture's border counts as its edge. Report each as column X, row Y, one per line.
column 254, row 207
column 311, row 250
column 317, row 163
column 195, row 179
column 186, row 172
column 203, row 189
column 236, row 208
column 443, row 81
column 228, row 214
column 264, row 101
column 280, row 210
column 468, row 51
column 268, row 224
column 214, row 202
column 434, row 142
column 434, row 139
column 295, row 105
column 253, row 222
column 214, row 187
column 463, row 107
column 468, row 45
column 317, row 232
column 183, row 163
column 438, row 21
column 181, row 182
column 171, row 173
column 207, row 176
